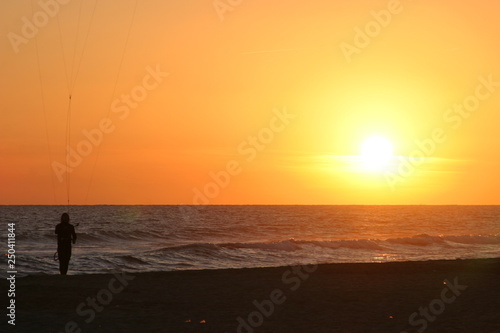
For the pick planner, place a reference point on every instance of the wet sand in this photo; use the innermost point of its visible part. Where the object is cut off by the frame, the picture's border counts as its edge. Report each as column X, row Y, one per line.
column 436, row 296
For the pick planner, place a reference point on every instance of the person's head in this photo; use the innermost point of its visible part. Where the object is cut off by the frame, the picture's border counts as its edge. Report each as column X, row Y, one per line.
column 65, row 218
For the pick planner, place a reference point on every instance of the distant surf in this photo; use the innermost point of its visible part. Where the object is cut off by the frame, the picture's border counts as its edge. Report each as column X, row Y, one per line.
column 160, row 238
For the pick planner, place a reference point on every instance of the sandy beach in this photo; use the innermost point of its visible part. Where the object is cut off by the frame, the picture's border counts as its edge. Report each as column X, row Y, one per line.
column 433, row 296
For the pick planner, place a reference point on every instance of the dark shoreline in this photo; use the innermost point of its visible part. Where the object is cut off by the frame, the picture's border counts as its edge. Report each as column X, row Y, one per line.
column 358, row 297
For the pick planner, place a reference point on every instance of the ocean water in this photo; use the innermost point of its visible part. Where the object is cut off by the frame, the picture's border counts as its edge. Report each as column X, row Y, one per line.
column 164, row 238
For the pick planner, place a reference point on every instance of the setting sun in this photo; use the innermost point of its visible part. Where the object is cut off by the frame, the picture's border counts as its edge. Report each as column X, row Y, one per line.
column 211, row 102
column 376, row 152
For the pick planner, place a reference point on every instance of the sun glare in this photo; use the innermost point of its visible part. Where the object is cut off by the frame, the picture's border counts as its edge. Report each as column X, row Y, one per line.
column 376, row 152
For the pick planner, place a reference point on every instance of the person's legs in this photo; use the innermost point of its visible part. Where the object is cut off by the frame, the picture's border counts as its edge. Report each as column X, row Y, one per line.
column 64, row 257
column 63, row 266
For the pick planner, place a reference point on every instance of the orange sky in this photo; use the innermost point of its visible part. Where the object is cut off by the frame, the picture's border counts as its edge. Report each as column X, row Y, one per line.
column 271, row 98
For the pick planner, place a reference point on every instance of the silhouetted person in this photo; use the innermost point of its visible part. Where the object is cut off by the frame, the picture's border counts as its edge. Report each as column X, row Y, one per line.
column 65, row 236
